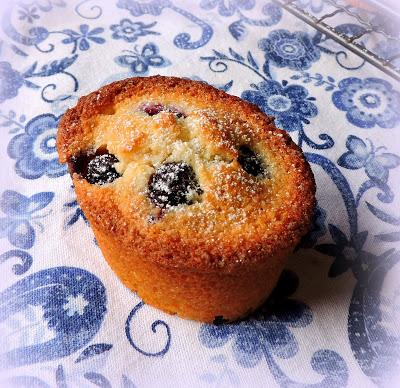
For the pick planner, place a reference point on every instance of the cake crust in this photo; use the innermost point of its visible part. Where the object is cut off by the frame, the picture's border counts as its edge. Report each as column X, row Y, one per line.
column 166, row 242
column 240, row 228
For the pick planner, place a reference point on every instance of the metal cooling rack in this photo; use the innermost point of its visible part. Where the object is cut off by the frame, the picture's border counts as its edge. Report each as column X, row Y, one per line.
column 352, row 43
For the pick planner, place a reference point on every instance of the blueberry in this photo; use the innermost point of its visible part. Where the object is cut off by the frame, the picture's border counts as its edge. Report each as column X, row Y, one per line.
column 177, row 113
column 96, row 168
column 156, row 108
column 101, row 169
column 219, row 320
column 173, row 184
column 153, row 109
column 251, row 162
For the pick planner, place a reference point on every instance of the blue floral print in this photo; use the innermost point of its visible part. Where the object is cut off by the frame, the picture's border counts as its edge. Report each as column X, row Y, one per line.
column 318, row 228
column 347, row 253
column 155, row 7
column 373, row 320
column 83, row 38
column 139, row 61
column 266, row 330
column 362, row 154
column 18, row 225
column 289, row 104
column 10, row 81
column 131, row 31
column 75, row 213
column 67, row 311
column 28, row 13
column 315, row 6
column 227, row 7
column 55, row 317
column 47, row 5
column 35, row 150
column 72, row 303
column 294, row 50
column 138, row 8
column 388, row 49
column 271, row 12
column 368, row 102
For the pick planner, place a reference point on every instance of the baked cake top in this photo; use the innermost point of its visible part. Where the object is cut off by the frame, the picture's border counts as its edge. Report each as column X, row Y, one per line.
column 193, row 176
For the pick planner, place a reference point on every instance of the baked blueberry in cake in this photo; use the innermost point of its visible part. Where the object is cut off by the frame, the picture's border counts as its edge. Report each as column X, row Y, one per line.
column 195, row 197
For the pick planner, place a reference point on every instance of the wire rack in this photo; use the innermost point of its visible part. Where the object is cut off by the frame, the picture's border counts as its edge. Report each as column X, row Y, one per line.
column 354, row 43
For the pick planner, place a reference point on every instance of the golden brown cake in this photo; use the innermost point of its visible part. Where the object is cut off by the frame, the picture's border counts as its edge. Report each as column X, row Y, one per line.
column 195, row 197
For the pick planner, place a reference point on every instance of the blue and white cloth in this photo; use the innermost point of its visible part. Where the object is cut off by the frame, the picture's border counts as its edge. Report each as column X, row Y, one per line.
column 67, row 321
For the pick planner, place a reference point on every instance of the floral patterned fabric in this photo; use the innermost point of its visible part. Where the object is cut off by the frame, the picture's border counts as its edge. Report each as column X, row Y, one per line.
column 66, row 320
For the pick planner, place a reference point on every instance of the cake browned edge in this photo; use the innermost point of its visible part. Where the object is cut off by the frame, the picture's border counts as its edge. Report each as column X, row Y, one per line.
column 194, row 255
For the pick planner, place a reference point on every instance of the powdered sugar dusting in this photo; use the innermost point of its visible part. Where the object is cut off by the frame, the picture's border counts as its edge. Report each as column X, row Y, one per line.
column 228, row 193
